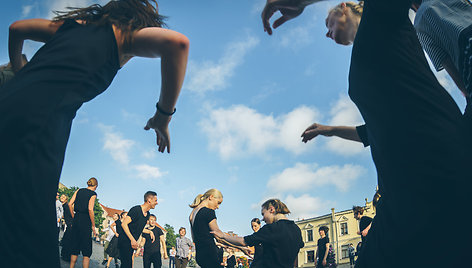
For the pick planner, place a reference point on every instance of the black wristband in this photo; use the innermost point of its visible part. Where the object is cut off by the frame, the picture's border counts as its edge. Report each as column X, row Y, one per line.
column 164, row 112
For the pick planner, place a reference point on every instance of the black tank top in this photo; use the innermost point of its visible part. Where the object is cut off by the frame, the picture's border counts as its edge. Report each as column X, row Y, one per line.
column 82, row 200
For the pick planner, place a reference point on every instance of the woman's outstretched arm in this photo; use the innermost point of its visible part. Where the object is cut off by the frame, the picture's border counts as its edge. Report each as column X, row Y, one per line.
column 40, row 30
column 172, row 47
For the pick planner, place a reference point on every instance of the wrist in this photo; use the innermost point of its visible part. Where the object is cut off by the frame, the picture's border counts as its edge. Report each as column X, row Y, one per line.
column 165, row 110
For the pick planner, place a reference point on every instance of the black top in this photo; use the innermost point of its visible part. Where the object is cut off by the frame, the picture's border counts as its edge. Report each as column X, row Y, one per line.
column 207, row 254
column 258, row 252
column 67, row 215
column 136, row 226
column 322, row 248
column 153, row 247
column 231, row 262
column 416, row 132
column 281, row 241
column 119, row 229
column 81, row 203
column 363, row 223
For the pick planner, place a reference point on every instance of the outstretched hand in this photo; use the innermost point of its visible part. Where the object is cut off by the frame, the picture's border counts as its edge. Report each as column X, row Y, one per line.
column 219, row 235
column 314, row 130
column 160, row 124
column 289, row 9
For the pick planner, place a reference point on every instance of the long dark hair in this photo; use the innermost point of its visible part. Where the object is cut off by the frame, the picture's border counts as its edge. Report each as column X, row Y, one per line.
column 128, row 15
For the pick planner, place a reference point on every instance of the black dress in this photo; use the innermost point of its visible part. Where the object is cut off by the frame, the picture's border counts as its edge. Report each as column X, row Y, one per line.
column 112, row 249
column 207, row 253
column 418, row 142
column 37, row 107
column 66, row 238
column 81, row 235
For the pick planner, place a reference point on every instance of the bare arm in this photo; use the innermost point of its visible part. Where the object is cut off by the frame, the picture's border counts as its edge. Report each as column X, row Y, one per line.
column 71, row 204
column 40, row 30
column 173, row 49
column 124, row 225
column 163, row 245
column 326, row 254
column 454, row 74
column 114, row 229
column 90, row 210
column 344, row 132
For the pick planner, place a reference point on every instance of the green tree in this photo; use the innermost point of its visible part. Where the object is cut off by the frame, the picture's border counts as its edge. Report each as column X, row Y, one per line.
column 97, row 209
column 170, row 236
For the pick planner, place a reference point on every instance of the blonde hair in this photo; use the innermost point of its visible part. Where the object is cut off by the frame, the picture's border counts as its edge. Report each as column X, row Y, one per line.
column 92, row 182
column 279, row 206
column 212, row 192
column 356, row 8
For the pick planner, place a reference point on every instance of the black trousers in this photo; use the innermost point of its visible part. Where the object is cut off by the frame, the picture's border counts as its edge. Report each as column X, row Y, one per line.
column 126, row 256
column 154, row 258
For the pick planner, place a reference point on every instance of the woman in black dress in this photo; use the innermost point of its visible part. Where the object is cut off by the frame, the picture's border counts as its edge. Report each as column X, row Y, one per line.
column 256, row 226
column 84, row 50
column 418, row 136
column 202, row 222
column 83, row 224
column 112, row 250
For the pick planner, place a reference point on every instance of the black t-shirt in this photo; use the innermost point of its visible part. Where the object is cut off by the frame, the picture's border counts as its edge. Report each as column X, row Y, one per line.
column 258, row 252
column 281, row 240
column 201, row 229
column 322, row 248
column 231, row 262
column 119, row 229
column 153, row 247
column 136, row 226
column 363, row 223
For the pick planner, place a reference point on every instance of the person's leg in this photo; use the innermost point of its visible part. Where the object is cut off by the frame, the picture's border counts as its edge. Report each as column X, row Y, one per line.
column 109, row 261
column 86, row 262
column 105, row 255
column 126, row 254
column 146, row 260
column 178, row 262
column 73, row 259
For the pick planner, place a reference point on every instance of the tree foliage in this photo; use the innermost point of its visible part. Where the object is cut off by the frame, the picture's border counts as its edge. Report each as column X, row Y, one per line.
column 170, row 236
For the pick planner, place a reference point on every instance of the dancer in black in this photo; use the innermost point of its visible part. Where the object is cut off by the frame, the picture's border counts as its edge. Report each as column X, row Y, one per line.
column 231, row 259
column 84, row 50
column 417, row 134
column 66, row 238
column 112, row 250
column 203, row 220
column 256, row 226
column 133, row 226
column 81, row 206
column 281, row 238
column 323, row 248
column 152, row 245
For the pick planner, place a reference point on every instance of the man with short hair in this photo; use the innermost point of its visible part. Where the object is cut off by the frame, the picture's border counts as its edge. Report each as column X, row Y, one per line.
column 152, row 247
column 133, row 225
column 183, row 246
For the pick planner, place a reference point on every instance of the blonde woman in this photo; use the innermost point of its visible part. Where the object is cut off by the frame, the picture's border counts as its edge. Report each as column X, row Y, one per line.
column 202, row 222
column 280, row 237
column 81, row 206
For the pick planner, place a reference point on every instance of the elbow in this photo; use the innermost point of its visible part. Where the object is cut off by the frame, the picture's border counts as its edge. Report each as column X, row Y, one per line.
column 16, row 28
column 178, row 44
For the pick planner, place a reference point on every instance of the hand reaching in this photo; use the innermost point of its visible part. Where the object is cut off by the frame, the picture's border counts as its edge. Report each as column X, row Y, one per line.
column 160, row 124
column 314, row 130
column 289, row 9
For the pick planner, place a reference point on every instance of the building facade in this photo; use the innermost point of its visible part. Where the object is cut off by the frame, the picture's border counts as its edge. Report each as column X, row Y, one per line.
column 343, row 229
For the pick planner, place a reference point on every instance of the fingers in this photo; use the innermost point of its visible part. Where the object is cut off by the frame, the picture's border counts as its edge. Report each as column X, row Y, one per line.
column 280, row 21
column 266, row 15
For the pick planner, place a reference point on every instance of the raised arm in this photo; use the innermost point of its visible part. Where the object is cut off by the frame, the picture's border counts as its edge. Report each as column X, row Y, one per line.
column 173, row 49
column 90, row 211
column 289, row 9
column 40, row 30
column 344, row 132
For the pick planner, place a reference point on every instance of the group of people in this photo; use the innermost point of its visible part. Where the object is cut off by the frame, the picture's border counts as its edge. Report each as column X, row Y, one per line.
column 419, row 139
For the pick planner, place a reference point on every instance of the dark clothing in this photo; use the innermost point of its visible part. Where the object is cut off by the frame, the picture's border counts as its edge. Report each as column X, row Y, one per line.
column 281, row 240
column 364, row 223
column 155, row 246
column 119, row 228
column 37, row 107
column 112, row 249
column 258, row 252
column 67, row 216
column 322, row 250
column 153, row 257
column 136, row 227
column 418, row 140
column 207, row 254
column 181, row 262
column 81, row 236
column 231, row 262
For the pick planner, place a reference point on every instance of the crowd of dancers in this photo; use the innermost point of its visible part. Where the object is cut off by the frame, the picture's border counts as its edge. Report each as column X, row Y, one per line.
column 419, row 139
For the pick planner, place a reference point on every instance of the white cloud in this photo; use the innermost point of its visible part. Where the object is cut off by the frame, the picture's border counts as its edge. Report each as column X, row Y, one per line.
column 149, row 154
column 344, row 113
column 258, row 7
column 305, row 206
column 306, row 176
column 240, row 130
column 210, row 76
column 26, row 10
column 148, row 172
column 297, row 37
column 116, row 145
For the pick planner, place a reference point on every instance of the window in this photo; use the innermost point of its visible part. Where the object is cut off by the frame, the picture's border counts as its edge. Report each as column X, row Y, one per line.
column 344, row 228
column 309, row 235
column 345, row 251
column 310, row 256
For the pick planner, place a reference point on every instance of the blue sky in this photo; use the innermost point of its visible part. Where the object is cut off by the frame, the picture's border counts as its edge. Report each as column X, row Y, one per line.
column 246, row 99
